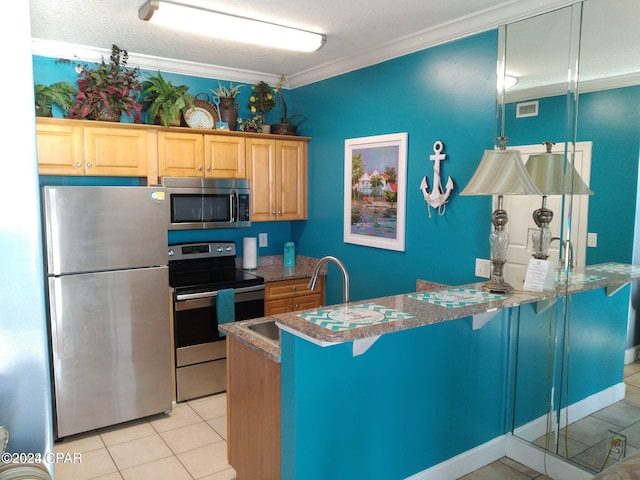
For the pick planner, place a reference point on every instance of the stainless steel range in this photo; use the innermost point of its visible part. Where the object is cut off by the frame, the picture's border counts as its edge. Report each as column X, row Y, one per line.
column 197, row 271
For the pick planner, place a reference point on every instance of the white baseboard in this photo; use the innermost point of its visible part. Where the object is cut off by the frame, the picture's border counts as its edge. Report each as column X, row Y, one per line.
column 466, row 462
column 520, row 449
column 583, row 408
column 537, row 459
column 631, row 354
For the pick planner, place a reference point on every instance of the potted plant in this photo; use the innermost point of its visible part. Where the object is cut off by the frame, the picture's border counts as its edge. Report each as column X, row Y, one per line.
column 163, row 101
column 228, row 105
column 108, row 90
column 60, row 93
column 262, row 99
column 252, row 125
column 285, row 127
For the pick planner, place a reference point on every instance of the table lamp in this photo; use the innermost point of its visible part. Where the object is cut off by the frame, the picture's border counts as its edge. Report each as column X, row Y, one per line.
column 500, row 172
column 550, row 175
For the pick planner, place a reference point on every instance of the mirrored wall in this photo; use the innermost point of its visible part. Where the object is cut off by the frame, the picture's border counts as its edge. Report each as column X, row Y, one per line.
column 577, row 74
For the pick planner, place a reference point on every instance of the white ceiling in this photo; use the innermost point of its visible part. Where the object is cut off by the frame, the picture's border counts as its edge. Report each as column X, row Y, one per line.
column 359, row 33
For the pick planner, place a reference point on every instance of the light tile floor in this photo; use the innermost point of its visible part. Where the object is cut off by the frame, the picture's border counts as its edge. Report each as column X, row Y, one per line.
column 586, row 443
column 189, row 443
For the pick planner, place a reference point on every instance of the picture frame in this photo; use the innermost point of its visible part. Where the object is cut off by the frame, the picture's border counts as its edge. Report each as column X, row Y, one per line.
column 375, row 204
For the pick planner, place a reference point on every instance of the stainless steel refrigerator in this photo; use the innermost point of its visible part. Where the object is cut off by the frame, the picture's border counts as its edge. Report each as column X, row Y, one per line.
column 108, row 300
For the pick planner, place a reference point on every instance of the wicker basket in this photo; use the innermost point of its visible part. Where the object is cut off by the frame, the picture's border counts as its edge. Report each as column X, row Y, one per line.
column 208, row 106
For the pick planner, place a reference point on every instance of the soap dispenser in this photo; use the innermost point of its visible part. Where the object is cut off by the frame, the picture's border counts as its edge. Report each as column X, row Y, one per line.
column 289, row 254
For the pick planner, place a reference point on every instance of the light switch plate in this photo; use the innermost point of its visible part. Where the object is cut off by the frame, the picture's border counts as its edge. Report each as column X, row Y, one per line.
column 483, row 268
column 592, row 240
column 263, row 240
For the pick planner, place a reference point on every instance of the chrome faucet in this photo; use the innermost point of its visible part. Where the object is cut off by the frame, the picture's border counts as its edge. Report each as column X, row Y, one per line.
column 345, row 276
column 567, row 245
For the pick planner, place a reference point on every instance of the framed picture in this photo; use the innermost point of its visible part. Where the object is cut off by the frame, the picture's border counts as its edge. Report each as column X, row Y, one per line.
column 375, row 178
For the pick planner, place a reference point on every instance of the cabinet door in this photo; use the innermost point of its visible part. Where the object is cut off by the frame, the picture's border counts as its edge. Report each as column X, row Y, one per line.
column 282, row 305
column 261, row 172
column 60, row 147
column 307, row 302
column 180, row 154
column 115, row 151
column 292, row 179
column 224, row 156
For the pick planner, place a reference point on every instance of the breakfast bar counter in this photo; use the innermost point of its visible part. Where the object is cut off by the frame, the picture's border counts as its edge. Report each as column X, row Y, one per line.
column 363, row 391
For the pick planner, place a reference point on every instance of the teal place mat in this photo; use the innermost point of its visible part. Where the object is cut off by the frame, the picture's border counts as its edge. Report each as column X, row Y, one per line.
column 457, row 297
column 578, row 278
column 353, row 316
column 617, row 268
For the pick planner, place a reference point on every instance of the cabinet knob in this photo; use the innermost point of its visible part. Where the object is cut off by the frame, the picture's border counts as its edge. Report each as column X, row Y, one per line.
column 279, row 212
column 89, row 165
column 78, row 164
column 199, row 168
column 208, row 168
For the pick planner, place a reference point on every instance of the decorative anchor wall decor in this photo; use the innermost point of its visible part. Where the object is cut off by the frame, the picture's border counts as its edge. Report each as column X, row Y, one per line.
column 438, row 197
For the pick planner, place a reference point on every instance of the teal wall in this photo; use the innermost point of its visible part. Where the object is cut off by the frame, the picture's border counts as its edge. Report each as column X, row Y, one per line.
column 414, row 399
column 591, row 342
column 444, row 93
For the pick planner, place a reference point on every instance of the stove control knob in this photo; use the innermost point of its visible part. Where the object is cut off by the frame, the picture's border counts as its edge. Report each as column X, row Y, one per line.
column 228, row 249
column 171, row 252
column 220, row 249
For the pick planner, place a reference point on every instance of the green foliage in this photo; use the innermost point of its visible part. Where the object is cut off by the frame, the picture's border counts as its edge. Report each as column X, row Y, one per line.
column 223, row 91
column 111, row 85
column 262, row 99
column 162, row 98
column 60, row 93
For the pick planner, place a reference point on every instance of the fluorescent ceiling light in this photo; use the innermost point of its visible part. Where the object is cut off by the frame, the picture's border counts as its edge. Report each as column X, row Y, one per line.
column 208, row 22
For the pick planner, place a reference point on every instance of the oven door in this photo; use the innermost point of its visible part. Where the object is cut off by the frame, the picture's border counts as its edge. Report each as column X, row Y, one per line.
column 200, row 349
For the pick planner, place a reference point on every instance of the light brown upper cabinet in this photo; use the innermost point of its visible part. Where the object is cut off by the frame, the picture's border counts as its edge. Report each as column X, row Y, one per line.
column 201, row 155
column 72, row 147
column 277, row 169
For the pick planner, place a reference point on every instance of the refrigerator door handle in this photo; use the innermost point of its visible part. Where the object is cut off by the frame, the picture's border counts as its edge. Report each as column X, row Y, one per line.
column 53, row 252
column 56, row 317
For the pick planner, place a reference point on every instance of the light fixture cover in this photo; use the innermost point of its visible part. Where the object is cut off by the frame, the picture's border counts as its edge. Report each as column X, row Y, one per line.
column 202, row 21
column 548, row 173
column 501, row 172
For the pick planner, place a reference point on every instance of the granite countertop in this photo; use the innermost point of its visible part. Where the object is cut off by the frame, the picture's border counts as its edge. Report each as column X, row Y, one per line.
column 425, row 308
column 271, row 268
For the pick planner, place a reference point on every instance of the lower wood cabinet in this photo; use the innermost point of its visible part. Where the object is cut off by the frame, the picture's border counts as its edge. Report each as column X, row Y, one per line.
column 292, row 295
column 253, row 413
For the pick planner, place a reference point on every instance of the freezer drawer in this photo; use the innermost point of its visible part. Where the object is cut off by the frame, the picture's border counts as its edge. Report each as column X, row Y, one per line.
column 111, row 347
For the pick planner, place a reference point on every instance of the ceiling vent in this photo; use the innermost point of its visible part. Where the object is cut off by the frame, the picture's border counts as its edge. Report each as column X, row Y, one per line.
column 527, row 109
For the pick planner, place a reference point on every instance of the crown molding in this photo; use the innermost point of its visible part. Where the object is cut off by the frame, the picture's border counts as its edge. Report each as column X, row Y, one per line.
column 83, row 53
column 491, row 18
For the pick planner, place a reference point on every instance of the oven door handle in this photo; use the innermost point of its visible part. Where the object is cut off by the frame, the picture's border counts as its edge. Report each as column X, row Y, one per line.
column 212, row 294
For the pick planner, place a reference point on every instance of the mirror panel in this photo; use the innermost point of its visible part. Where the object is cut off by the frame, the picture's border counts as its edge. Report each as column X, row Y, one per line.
column 602, row 39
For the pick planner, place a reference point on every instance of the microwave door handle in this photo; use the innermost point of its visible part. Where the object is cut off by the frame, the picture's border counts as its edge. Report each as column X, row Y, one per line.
column 233, row 207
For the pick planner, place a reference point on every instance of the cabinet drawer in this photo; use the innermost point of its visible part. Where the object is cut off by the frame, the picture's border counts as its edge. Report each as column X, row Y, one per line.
column 286, row 288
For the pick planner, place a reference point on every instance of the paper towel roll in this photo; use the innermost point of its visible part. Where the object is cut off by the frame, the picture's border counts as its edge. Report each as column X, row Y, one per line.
column 249, row 253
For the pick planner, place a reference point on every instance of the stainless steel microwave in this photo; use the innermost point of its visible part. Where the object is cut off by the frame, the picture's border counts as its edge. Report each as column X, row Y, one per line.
column 199, row 203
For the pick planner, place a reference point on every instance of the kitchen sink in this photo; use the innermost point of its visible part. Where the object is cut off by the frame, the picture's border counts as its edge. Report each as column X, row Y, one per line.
column 267, row 329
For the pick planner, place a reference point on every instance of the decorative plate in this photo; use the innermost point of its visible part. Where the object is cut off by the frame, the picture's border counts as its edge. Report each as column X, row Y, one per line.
column 197, row 117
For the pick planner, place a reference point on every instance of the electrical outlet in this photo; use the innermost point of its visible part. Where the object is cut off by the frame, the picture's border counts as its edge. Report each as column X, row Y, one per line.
column 263, row 240
column 616, row 445
column 483, row 268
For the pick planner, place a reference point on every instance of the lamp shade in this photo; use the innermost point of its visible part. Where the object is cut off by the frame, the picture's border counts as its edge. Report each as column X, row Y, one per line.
column 548, row 173
column 501, row 172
